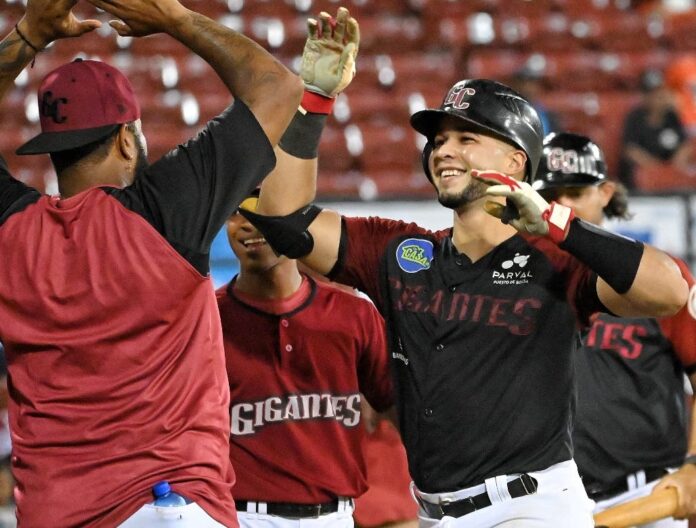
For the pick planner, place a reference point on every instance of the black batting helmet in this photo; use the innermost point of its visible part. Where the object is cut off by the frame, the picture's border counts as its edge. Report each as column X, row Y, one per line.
column 490, row 108
column 569, row 160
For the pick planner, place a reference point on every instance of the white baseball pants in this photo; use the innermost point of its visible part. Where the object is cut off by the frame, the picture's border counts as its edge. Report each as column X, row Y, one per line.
column 189, row 516
column 560, row 500
column 343, row 518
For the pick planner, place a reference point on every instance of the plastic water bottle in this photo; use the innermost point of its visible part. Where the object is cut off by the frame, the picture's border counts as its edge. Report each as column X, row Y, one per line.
column 165, row 497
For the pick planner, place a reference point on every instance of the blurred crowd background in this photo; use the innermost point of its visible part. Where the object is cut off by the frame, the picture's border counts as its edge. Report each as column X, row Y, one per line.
column 621, row 71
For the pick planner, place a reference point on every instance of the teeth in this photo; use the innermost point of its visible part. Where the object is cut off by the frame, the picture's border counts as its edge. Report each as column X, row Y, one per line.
column 451, row 172
column 260, row 240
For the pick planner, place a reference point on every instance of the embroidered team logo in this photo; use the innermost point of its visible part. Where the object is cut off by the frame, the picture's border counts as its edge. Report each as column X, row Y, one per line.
column 456, row 98
column 50, row 107
column 414, row 255
column 513, row 271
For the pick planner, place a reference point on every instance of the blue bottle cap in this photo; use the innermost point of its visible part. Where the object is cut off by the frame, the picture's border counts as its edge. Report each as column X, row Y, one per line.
column 161, row 488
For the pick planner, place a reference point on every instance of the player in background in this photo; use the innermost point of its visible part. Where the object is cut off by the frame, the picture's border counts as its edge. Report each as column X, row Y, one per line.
column 299, row 354
column 631, row 421
column 107, row 314
column 481, row 317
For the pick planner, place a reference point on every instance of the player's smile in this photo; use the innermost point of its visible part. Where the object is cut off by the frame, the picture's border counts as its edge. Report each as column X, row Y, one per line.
column 254, row 244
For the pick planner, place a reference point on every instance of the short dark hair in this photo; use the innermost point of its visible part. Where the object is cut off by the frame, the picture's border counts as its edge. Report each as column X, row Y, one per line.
column 96, row 150
column 618, row 205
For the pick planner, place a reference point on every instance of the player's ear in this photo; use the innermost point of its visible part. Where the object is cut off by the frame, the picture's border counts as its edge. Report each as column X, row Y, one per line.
column 516, row 161
column 125, row 142
column 607, row 190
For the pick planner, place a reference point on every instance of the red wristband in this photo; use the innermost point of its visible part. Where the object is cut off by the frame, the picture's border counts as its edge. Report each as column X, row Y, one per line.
column 317, row 104
column 558, row 217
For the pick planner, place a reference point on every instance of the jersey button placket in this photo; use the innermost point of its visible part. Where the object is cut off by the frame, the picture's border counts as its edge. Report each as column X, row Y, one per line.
column 284, row 323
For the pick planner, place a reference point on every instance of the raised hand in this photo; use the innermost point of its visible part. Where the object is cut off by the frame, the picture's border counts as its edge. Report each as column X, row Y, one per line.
column 47, row 20
column 138, row 18
column 328, row 59
column 524, row 209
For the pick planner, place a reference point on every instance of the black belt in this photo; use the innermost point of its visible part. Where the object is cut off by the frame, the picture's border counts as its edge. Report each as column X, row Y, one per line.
column 288, row 509
column 598, row 491
column 519, row 487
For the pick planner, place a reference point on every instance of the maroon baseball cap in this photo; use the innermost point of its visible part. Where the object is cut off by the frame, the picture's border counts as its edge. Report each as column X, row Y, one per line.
column 79, row 103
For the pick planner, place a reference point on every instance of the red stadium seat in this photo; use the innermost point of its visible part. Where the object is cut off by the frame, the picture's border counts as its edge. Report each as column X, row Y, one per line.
column 333, row 152
column 389, row 147
column 680, row 31
column 629, row 31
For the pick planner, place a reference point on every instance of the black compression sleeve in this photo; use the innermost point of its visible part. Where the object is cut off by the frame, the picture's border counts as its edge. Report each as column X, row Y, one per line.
column 613, row 257
column 301, row 138
column 287, row 235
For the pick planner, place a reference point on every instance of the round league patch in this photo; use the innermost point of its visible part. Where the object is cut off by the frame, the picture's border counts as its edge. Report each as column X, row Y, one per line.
column 414, row 255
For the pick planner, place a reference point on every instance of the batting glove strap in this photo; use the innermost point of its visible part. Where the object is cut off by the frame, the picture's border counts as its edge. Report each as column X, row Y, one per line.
column 558, row 218
column 316, row 104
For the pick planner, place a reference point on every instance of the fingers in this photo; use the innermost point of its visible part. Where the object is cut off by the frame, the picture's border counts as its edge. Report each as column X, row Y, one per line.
column 312, row 28
column 121, row 28
column 490, row 177
column 85, row 26
column 353, row 32
column 499, row 190
column 343, row 28
column 326, row 23
column 341, row 21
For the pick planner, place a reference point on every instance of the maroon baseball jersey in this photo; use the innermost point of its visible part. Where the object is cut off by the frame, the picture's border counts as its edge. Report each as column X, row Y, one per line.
column 481, row 352
column 296, row 369
column 113, row 338
column 631, row 412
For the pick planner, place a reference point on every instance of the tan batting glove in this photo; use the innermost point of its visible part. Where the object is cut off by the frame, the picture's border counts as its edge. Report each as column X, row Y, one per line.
column 525, row 209
column 328, row 59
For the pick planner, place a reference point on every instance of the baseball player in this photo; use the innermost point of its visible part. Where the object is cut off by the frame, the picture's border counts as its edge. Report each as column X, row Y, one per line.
column 107, row 313
column 296, row 373
column 631, row 424
column 481, row 317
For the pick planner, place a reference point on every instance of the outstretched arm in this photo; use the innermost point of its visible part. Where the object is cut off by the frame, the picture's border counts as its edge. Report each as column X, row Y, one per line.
column 328, row 66
column 43, row 22
column 635, row 279
column 251, row 74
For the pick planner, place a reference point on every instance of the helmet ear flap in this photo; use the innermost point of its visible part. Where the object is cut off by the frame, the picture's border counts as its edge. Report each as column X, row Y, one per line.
column 425, row 159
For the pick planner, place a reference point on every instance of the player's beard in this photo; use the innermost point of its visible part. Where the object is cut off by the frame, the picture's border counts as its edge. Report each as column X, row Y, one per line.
column 472, row 192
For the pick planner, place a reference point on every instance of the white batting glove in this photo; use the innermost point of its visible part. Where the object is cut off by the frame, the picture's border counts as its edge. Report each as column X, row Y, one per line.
column 328, row 59
column 525, row 209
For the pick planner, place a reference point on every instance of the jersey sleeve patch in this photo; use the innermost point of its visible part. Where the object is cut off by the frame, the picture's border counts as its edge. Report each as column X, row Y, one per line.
column 414, row 255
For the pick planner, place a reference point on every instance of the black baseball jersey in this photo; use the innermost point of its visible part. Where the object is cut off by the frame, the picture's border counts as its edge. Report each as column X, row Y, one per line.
column 631, row 411
column 481, row 351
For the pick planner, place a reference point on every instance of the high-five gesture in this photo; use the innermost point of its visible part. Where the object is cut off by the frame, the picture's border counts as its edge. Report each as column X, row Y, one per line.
column 328, row 60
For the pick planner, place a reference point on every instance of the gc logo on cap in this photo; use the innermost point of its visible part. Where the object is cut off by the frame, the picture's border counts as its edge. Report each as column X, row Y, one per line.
column 79, row 103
